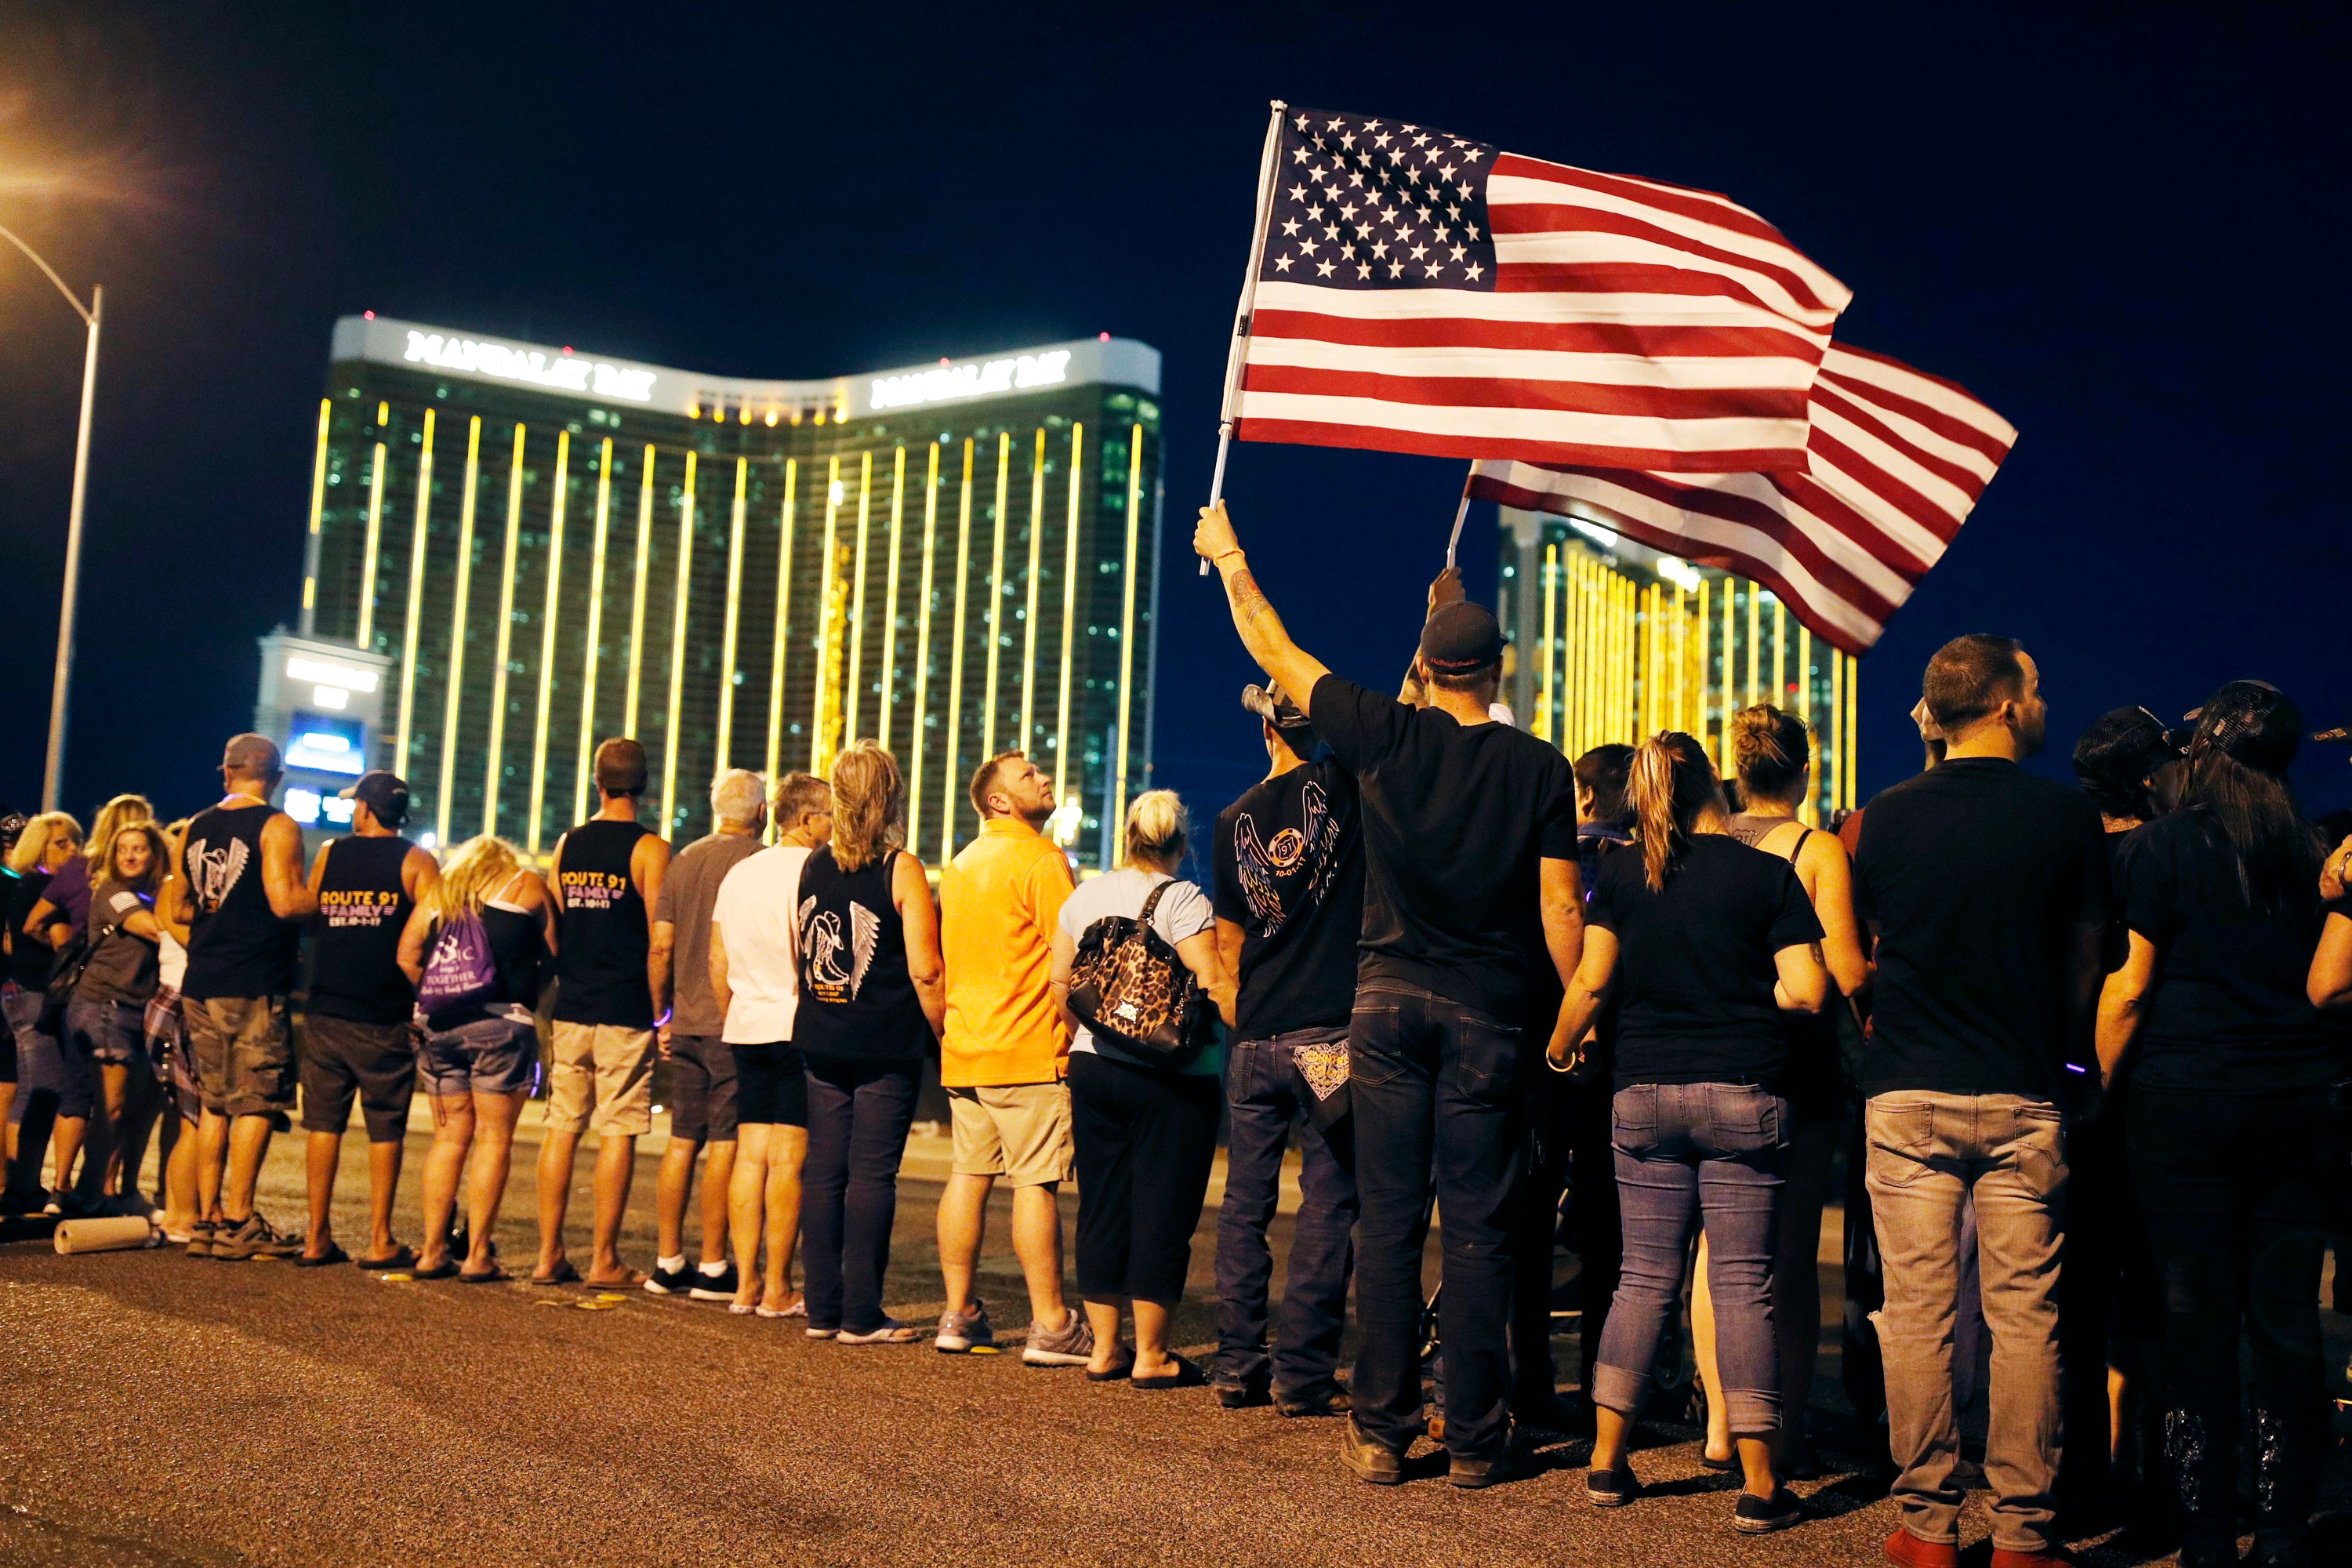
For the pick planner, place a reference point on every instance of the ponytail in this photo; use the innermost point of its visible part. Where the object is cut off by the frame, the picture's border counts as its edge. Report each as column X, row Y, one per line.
column 1670, row 782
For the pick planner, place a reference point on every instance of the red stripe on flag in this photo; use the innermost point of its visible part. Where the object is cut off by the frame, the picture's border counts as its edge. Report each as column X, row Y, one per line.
column 1706, row 207
column 1564, row 396
column 1645, row 341
column 1379, row 438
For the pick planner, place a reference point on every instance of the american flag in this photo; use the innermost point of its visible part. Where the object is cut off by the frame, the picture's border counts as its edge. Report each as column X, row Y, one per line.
column 1896, row 460
column 1419, row 291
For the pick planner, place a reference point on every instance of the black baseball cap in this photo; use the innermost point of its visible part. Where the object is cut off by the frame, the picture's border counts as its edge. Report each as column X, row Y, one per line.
column 384, row 793
column 2252, row 721
column 2123, row 747
column 1461, row 638
column 1269, row 703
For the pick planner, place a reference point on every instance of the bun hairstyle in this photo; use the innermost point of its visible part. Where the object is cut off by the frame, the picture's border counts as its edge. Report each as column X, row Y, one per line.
column 1769, row 749
column 1158, row 826
column 869, row 806
column 1670, row 783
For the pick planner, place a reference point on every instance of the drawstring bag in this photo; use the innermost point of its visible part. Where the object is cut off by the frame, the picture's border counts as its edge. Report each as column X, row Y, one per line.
column 1128, row 985
column 460, row 976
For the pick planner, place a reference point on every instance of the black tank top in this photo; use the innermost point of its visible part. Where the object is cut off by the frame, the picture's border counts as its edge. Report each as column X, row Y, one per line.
column 1814, row 1081
column 355, row 940
column 602, row 938
column 517, row 951
column 856, row 997
column 236, row 944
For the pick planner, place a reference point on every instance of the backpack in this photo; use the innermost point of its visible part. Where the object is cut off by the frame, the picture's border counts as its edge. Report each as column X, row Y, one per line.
column 459, row 973
column 1128, row 985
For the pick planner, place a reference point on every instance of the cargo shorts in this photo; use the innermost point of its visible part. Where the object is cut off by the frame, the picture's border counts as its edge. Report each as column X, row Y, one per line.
column 244, row 1052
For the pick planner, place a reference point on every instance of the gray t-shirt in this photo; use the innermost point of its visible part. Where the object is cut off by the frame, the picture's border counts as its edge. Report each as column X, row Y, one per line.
column 1184, row 912
column 687, row 895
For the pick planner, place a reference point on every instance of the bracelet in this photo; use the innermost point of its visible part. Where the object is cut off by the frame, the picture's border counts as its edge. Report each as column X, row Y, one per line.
column 1237, row 550
column 1574, row 1061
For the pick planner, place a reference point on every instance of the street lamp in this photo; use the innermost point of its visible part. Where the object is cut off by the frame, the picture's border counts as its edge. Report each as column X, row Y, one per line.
column 53, row 770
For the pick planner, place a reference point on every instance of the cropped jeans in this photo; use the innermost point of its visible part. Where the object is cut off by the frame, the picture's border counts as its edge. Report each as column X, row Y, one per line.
column 1264, row 1097
column 859, row 1111
column 1711, row 1154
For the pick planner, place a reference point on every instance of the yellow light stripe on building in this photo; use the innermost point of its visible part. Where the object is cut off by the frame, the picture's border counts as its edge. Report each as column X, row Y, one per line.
column 317, row 510
column 1029, row 611
column 1127, row 636
column 595, row 632
column 824, row 578
column 995, row 617
column 670, row 747
column 1755, row 646
column 923, row 653
column 456, row 671
column 1780, row 651
column 1837, row 729
column 416, row 597
column 1810, row 806
column 496, row 769
column 1544, row 646
column 547, row 618
column 1729, row 692
column 366, row 634
column 1705, row 664
column 853, row 690
column 1852, row 703
column 734, row 588
column 784, row 618
column 1063, row 788
column 638, row 594
column 955, row 660
column 890, row 602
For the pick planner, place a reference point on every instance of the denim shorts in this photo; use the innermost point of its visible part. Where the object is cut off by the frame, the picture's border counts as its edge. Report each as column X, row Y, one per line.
column 491, row 1056
column 113, row 1034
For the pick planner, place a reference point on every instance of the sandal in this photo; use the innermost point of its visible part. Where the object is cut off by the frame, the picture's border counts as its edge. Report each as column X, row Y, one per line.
column 401, row 1257
column 627, row 1279
column 564, row 1275
column 1119, row 1374
column 448, row 1270
column 799, row 1309
column 490, row 1275
column 1188, row 1374
column 328, row 1259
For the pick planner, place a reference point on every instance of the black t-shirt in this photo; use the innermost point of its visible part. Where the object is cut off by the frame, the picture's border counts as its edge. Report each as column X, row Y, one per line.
column 1695, row 967
column 1976, row 876
column 2228, row 1012
column 1455, row 819
column 29, row 958
column 1288, row 868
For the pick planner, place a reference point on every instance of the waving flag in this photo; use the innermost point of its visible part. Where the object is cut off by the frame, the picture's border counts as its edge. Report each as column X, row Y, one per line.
column 1418, row 291
column 1895, row 461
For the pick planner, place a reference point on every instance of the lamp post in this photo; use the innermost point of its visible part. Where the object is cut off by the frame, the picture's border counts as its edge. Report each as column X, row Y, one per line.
column 53, row 769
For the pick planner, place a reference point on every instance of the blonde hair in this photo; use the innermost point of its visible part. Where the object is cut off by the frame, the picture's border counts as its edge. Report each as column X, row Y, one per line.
column 1769, row 749
column 1669, row 783
column 33, row 844
column 475, row 870
column 1158, row 827
column 112, row 817
column 869, row 806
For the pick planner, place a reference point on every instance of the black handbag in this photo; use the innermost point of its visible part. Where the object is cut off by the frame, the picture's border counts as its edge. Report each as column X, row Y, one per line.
column 1129, row 986
column 65, row 969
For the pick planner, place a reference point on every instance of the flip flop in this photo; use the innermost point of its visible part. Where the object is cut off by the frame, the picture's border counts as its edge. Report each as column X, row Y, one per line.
column 797, row 1309
column 400, row 1257
column 448, row 1270
column 333, row 1256
column 1720, row 1466
column 491, row 1277
column 1119, row 1374
column 1188, row 1374
column 630, row 1279
column 564, row 1275
column 740, row 1308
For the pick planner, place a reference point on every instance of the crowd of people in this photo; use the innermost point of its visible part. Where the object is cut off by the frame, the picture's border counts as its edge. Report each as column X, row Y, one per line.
column 2086, row 1048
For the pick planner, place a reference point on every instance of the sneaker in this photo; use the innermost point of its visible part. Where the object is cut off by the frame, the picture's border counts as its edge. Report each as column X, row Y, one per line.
column 1515, row 1462
column 891, row 1332
column 254, row 1237
column 1308, row 1407
column 1368, row 1461
column 1238, row 1395
column 1907, row 1550
column 709, row 1287
column 1611, row 1489
column 1072, row 1344
column 1762, row 1515
column 960, row 1331
column 200, row 1238
column 23, row 1200
column 668, row 1282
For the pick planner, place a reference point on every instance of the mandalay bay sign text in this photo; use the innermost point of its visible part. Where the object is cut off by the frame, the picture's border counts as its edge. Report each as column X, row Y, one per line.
column 974, row 379
column 565, row 372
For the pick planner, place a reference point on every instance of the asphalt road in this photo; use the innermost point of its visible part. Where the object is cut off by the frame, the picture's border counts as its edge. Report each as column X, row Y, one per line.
column 158, row 1411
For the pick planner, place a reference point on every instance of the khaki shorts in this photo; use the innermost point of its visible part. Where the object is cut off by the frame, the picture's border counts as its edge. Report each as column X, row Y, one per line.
column 245, row 1058
column 602, row 1068
column 1020, row 1130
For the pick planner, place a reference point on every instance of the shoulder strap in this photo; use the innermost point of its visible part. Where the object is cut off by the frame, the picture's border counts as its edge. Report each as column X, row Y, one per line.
column 1798, row 848
column 1152, row 901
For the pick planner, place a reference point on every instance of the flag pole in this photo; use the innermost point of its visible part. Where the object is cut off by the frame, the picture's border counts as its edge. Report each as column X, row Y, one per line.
column 1460, row 513
column 1249, row 294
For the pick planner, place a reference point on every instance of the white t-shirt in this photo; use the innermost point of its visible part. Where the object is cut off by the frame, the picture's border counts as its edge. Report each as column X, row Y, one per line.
column 1184, row 911
column 754, row 916
column 171, row 960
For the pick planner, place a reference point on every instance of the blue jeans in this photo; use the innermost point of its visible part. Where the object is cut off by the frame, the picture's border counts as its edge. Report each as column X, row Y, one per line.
column 1709, row 1152
column 858, row 1113
column 1435, row 1084
column 1264, row 1096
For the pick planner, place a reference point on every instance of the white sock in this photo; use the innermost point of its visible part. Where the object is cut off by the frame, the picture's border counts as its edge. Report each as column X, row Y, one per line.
column 714, row 1271
column 670, row 1265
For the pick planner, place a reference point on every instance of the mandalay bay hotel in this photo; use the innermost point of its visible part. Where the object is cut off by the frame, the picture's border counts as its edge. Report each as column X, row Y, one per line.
column 517, row 549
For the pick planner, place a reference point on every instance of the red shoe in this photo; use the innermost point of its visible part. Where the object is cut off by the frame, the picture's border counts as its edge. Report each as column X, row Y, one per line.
column 2047, row 1557
column 1908, row 1549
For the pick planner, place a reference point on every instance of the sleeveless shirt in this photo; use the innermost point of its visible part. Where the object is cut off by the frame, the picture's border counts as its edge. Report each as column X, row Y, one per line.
column 856, row 999
column 602, row 938
column 236, row 944
column 355, row 946
column 1815, row 1080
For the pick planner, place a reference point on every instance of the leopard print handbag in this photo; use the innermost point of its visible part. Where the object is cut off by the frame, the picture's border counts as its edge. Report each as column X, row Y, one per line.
column 1129, row 986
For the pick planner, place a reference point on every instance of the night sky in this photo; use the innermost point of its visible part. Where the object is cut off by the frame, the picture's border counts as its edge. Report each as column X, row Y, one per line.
column 2118, row 225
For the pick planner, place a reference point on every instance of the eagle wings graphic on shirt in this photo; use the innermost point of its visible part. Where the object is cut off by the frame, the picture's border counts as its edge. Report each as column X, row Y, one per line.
column 822, row 949
column 1261, row 863
column 215, row 872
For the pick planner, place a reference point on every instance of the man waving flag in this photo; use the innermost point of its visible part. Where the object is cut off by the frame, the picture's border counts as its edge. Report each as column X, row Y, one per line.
column 1418, row 291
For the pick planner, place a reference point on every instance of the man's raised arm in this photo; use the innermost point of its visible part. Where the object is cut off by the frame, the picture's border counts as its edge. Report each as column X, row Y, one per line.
column 1261, row 628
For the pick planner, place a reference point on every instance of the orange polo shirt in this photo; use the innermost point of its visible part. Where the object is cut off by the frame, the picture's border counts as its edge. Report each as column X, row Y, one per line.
column 998, row 902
